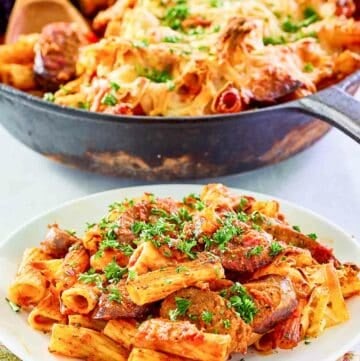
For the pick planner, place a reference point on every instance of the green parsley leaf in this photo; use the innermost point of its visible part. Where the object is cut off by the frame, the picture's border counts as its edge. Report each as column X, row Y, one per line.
column 175, row 15
column 13, row 306
column 71, row 232
column 172, row 39
column 186, row 247
column 144, row 43
column 243, row 203
column 109, row 99
column 182, row 305
column 132, row 275
column 90, row 277
column 207, row 317
column 155, row 75
column 312, row 236
column 114, row 86
column 296, row 228
column 227, row 324
column 243, row 303
column 275, row 249
column 215, row 3
column 113, row 272
column 84, row 105
column 226, row 232
column 308, row 68
column 90, row 225
column 255, row 251
column 272, row 40
column 49, row 97
column 180, row 269
column 114, row 295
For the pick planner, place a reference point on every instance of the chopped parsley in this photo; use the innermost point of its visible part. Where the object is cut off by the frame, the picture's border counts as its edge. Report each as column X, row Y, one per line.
column 215, row 3
column 226, row 232
column 13, row 306
column 312, row 236
column 176, row 14
column 180, row 269
column 242, row 302
column 186, row 247
column 275, row 249
column 207, row 317
column 155, row 75
column 132, row 275
column 255, row 251
column 274, row 40
column 127, row 249
column 109, row 99
column 310, row 17
column 171, row 39
column 114, row 295
column 49, row 97
column 216, row 28
column 113, row 272
column 114, row 86
column 308, row 68
column 296, row 228
column 227, row 323
column 117, row 206
column 71, row 232
column 84, row 105
column 243, row 203
column 90, row 277
column 182, row 305
column 144, row 43
column 90, row 225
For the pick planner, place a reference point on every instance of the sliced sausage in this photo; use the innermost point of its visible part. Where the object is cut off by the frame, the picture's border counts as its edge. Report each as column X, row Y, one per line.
column 56, row 55
column 275, row 300
column 57, row 242
column 223, row 319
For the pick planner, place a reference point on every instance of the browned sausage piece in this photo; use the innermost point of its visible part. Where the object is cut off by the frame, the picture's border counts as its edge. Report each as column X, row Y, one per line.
column 56, row 55
column 57, row 242
column 275, row 300
column 246, row 253
column 210, row 312
column 108, row 309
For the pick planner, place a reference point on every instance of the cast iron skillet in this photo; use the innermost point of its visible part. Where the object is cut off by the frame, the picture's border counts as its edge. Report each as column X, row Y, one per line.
column 179, row 148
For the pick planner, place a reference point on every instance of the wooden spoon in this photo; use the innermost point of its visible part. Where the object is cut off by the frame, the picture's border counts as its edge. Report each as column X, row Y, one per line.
column 30, row 16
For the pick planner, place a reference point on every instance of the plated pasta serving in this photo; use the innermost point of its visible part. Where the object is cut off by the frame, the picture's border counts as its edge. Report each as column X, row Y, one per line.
column 188, row 58
column 202, row 278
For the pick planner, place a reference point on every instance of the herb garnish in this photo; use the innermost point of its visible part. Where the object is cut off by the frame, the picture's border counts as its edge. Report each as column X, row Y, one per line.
column 114, row 295
column 182, row 305
column 207, row 316
column 275, row 249
column 243, row 303
column 176, row 14
column 255, row 251
column 13, row 306
column 113, row 272
column 312, row 236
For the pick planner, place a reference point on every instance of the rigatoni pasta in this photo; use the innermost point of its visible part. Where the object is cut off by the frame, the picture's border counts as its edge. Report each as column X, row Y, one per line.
column 158, row 280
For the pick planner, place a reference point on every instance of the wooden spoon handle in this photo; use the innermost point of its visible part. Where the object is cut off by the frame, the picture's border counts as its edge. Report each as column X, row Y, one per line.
column 30, row 16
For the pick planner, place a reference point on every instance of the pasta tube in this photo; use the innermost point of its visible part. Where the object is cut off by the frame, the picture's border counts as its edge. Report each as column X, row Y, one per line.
column 18, row 76
column 87, row 322
column 121, row 331
column 29, row 286
column 156, row 285
column 49, row 268
column 21, row 52
column 184, row 339
column 143, row 354
column 46, row 313
column 80, row 342
column 80, row 298
column 75, row 262
column 147, row 258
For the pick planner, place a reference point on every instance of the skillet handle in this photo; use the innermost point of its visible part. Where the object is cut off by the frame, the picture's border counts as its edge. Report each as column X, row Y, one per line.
column 336, row 107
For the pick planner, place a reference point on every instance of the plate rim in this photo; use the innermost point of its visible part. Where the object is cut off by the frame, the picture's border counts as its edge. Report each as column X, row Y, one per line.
column 152, row 188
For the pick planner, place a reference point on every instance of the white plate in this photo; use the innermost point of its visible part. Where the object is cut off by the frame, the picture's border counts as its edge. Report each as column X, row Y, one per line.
column 30, row 345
